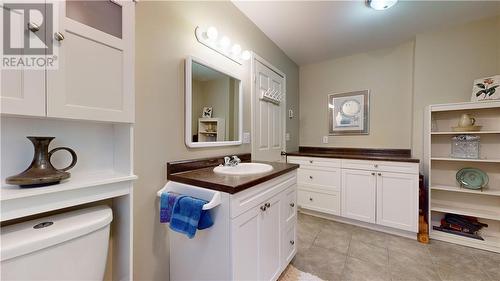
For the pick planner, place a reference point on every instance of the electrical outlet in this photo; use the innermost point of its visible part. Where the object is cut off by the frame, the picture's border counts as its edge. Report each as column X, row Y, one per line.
column 287, row 136
column 246, row 137
column 325, row 139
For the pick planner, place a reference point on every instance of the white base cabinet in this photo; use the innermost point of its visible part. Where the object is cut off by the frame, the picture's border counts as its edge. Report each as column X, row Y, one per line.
column 253, row 236
column 377, row 192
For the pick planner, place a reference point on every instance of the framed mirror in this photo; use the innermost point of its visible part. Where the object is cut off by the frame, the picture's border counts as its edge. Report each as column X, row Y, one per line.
column 214, row 107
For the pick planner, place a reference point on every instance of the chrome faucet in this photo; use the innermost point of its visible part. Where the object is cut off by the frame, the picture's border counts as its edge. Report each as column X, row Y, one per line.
column 231, row 162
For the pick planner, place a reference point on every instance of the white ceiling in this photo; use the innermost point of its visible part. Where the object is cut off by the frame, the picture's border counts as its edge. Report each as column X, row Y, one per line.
column 312, row 31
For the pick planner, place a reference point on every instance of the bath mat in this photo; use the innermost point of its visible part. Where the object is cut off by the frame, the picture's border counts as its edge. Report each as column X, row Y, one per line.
column 293, row 274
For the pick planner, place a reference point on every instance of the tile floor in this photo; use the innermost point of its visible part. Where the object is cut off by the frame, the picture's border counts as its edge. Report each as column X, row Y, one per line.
column 337, row 251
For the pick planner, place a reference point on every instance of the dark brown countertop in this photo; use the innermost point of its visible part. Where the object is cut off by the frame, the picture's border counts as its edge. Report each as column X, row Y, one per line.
column 396, row 155
column 207, row 178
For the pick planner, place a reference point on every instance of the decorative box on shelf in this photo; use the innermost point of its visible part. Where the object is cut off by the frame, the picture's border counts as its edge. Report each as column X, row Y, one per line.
column 465, row 146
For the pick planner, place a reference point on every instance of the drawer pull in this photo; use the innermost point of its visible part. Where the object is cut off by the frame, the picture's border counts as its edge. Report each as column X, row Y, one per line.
column 373, row 174
column 310, row 199
column 311, row 177
column 292, row 242
column 310, row 161
column 263, row 208
column 268, row 205
column 292, row 204
column 379, row 174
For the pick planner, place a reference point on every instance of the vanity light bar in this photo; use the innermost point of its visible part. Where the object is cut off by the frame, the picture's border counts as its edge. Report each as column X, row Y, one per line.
column 210, row 38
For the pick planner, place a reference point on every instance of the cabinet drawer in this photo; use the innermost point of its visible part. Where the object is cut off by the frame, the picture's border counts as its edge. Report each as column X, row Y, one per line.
column 382, row 166
column 289, row 245
column 289, row 208
column 314, row 162
column 322, row 179
column 318, row 201
column 249, row 198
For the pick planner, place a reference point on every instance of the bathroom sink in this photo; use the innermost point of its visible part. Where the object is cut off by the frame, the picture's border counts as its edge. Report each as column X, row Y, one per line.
column 244, row 169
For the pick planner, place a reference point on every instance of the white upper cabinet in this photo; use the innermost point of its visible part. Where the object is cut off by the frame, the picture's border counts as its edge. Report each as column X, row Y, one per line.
column 22, row 90
column 95, row 78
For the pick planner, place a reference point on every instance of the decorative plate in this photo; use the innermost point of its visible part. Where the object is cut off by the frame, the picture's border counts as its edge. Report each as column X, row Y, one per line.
column 472, row 178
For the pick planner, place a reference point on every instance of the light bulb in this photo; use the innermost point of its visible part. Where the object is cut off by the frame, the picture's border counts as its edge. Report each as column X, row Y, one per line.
column 246, row 55
column 381, row 4
column 236, row 49
column 225, row 42
column 212, row 33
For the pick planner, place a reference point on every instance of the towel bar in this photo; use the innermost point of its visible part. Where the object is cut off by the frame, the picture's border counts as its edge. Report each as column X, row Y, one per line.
column 193, row 191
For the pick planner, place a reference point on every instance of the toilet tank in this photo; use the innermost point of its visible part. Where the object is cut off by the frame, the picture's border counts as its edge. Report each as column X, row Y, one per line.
column 67, row 246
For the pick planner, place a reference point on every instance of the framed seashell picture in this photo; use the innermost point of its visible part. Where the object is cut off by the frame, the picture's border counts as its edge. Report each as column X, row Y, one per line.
column 487, row 88
column 349, row 113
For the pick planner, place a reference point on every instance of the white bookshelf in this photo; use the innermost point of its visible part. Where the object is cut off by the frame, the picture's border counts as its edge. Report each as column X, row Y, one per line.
column 445, row 194
column 211, row 129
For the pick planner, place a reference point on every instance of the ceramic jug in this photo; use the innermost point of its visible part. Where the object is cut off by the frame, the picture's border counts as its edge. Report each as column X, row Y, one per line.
column 466, row 120
column 41, row 172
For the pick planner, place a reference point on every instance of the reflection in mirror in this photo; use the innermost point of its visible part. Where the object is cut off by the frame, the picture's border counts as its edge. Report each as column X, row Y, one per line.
column 215, row 106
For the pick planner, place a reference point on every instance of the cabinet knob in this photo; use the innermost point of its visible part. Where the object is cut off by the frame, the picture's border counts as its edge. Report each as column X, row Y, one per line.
column 310, row 199
column 292, row 204
column 263, row 208
column 311, row 177
column 292, row 242
column 33, row 27
column 373, row 174
column 379, row 174
column 267, row 205
column 376, row 165
column 59, row 36
column 310, row 161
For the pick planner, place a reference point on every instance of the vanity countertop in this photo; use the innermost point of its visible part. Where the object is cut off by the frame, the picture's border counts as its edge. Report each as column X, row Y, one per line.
column 207, row 178
column 397, row 155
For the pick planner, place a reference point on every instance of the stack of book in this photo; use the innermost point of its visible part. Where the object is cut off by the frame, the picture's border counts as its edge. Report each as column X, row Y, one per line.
column 461, row 225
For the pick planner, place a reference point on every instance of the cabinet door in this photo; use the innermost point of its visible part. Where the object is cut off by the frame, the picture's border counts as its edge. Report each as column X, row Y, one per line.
column 245, row 245
column 358, row 195
column 270, row 240
column 22, row 90
column 95, row 78
column 397, row 200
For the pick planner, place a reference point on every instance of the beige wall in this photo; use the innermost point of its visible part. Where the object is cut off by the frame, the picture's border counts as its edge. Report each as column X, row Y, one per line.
column 164, row 38
column 446, row 64
column 438, row 67
column 388, row 75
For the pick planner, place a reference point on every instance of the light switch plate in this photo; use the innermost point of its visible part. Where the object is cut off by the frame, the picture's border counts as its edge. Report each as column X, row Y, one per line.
column 325, row 139
column 246, row 137
column 290, row 113
column 287, row 136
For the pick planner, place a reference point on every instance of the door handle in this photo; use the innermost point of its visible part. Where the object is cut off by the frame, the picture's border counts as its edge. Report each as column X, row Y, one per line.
column 263, row 208
column 379, row 174
column 292, row 242
column 311, row 177
column 310, row 199
column 59, row 36
column 268, row 205
column 292, row 204
column 373, row 174
column 33, row 27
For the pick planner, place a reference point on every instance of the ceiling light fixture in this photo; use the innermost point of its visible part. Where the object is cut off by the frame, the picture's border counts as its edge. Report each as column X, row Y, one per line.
column 208, row 37
column 381, row 5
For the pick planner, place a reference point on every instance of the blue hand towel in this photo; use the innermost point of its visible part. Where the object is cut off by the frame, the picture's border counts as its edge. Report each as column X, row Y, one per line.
column 188, row 216
column 167, row 201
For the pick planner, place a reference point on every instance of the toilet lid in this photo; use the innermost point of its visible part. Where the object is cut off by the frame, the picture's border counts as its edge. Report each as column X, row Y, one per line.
column 27, row 237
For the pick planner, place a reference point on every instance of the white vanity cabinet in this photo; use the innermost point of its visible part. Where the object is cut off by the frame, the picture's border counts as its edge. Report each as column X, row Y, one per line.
column 383, row 193
column 94, row 75
column 263, row 237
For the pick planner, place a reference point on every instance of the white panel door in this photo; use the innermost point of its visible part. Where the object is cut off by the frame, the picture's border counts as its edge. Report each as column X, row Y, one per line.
column 270, row 240
column 95, row 79
column 358, row 195
column 245, row 245
column 397, row 201
column 22, row 90
column 268, row 119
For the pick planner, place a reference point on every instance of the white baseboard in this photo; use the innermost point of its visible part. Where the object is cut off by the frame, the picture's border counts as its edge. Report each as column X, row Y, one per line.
column 371, row 226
